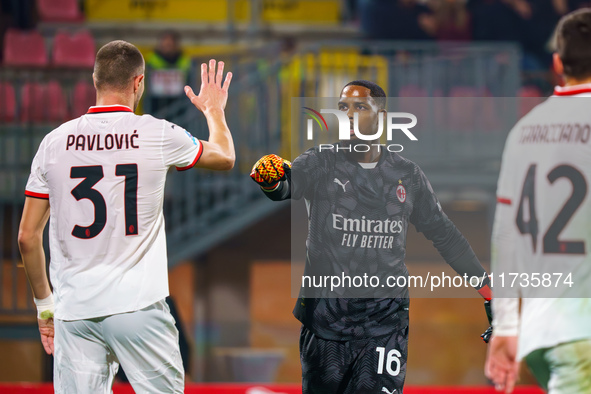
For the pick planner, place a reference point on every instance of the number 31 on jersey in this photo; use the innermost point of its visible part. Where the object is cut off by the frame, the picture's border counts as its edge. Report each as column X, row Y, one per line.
column 91, row 175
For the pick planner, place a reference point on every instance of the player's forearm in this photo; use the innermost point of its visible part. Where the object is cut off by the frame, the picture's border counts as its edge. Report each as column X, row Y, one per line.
column 31, row 246
column 220, row 137
column 456, row 251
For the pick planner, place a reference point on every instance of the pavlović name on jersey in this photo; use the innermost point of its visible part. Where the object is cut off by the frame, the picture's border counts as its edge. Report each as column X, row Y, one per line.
column 569, row 133
column 98, row 142
column 354, row 229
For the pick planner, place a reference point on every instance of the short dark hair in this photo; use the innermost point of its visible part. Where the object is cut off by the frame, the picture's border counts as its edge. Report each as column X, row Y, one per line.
column 116, row 64
column 375, row 91
column 573, row 43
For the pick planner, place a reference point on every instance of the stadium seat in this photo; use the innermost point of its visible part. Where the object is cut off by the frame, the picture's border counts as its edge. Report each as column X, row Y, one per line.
column 59, row 11
column 83, row 98
column 415, row 100
column 43, row 103
column 466, row 115
column 468, row 91
column 412, row 91
column 33, row 102
column 24, row 48
column 76, row 50
column 529, row 97
column 7, row 102
column 57, row 110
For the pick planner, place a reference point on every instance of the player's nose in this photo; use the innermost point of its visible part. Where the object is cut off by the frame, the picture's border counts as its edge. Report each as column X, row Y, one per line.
column 350, row 113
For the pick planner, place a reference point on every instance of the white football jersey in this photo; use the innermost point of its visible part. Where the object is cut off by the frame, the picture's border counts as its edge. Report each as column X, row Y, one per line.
column 542, row 228
column 104, row 175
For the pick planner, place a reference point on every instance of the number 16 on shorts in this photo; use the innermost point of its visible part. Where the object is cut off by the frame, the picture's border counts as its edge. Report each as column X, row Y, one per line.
column 390, row 361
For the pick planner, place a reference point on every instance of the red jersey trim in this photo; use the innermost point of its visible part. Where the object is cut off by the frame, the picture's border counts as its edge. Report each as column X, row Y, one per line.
column 502, row 200
column 36, row 195
column 199, row 152
column 486, row 293
column 572, row 90
column 108, row 108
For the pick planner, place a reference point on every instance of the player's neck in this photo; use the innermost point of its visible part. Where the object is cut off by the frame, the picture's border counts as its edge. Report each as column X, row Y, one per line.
column 371, row 156
column 569, row 81
column 115, row 99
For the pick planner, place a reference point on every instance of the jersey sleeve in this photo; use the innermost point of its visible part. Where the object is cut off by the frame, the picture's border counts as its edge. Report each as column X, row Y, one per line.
column 427, row 213
column 306, row 170
column 37, row 185
column 503, row 253
column 504, row 234
column 179, row 147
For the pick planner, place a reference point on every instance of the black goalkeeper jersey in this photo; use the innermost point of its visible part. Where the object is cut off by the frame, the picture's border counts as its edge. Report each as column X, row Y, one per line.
column 358, row 220
column 357, row 224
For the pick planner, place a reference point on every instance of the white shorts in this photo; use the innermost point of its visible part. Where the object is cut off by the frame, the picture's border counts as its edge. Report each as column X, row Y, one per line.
column 564, row 368
column 145, row 342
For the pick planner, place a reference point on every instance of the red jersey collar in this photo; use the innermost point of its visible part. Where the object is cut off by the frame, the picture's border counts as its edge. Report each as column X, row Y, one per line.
column 572, row 90
column 108, row 108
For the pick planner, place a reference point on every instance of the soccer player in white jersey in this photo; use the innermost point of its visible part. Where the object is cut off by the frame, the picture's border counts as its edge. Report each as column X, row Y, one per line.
column 100, row 178
column 542, row 226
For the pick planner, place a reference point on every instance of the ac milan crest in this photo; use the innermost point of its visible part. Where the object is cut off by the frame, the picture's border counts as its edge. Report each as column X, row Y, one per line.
column 401, row 193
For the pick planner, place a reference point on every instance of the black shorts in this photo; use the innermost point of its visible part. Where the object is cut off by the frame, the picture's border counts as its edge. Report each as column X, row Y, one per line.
column 373, row 365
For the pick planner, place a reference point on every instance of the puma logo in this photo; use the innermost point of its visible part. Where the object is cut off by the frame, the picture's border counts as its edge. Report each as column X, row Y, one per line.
column 340, row 183
column 385, row 390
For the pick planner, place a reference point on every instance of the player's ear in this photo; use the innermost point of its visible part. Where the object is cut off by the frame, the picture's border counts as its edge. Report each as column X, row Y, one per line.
column 557, row 63
column 137, row 82
column 93, row 80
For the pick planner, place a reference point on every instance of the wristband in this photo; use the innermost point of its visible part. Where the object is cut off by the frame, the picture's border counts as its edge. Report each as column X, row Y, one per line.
column 45, row 307
column 506, row 317
column 271, row 188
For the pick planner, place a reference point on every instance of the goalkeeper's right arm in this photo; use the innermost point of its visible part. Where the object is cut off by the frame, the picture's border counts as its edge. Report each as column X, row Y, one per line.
column 273, row 174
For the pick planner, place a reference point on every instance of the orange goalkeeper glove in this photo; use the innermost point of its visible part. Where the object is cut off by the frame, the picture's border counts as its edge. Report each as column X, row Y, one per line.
column 269, row 171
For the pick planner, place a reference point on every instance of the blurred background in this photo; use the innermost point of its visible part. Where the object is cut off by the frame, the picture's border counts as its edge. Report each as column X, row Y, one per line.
column 229, row 246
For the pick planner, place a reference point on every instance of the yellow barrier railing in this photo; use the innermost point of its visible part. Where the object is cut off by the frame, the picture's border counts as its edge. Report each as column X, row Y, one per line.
column 212, row 11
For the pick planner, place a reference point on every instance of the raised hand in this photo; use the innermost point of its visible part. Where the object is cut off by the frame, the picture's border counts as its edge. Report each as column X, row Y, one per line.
column 270, row 170
column 212, row 94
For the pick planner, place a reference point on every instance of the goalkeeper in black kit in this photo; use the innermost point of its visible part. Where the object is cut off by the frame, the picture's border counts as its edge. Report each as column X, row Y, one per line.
column 359, row 207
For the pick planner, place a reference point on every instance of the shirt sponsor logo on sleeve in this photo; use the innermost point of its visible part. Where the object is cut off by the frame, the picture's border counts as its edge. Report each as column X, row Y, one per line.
column 192, row 138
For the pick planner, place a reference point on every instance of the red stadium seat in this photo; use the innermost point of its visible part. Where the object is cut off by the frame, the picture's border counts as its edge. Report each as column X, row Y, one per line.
column 59, row 11
column 57, row 109
column 33, row 97
column 7, row 102
column 24, row 48
column 412, row 91
column 83, row 98
column 43, row 103
column 468, row 91
column 529, row 97
column 414, row 99
column 76, row 50
column 466, row 115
